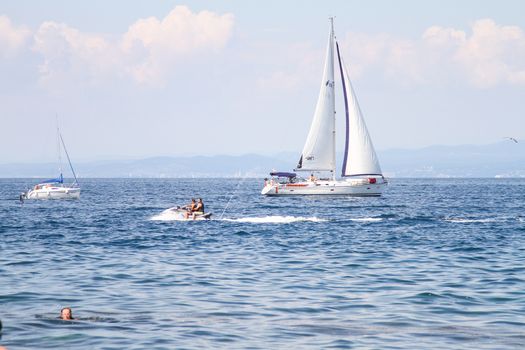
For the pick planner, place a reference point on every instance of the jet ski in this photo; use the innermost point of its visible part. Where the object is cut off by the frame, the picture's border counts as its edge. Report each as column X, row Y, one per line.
column 178, row 213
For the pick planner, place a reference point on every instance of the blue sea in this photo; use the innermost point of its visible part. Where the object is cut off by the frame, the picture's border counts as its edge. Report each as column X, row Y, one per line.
column 432, row 264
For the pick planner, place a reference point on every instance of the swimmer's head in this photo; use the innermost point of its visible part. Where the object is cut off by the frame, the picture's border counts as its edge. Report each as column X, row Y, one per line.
column 66, row 313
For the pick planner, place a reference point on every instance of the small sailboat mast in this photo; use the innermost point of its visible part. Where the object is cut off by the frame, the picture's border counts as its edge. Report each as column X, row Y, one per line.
column 59, row 151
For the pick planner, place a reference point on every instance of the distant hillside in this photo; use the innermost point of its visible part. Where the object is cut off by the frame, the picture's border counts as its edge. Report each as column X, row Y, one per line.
column 250, row 165
column 503, row 159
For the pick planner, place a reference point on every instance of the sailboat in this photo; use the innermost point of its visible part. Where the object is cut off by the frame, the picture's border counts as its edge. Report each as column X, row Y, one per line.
column 361, row 172
column 55, row 188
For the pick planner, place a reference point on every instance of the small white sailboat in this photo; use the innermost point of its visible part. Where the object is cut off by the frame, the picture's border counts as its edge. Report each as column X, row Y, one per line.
column 55, row 188
column 361, row 172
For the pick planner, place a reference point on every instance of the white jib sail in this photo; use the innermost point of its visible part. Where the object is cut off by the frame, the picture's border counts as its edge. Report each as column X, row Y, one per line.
column 319, row 150
column 360, row 156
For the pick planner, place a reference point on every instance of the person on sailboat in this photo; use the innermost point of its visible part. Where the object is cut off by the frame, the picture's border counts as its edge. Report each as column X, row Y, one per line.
column 312, row 178
column 199, row 209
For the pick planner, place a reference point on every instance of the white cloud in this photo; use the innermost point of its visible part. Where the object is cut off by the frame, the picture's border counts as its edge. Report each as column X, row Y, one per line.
column 69, row 53
column 159, row 43
column 153, row 48
column 491, row 54
column 11, row 39
column 146, row 53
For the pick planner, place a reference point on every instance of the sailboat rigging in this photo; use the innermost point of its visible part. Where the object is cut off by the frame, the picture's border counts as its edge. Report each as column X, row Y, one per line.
column 361, row 172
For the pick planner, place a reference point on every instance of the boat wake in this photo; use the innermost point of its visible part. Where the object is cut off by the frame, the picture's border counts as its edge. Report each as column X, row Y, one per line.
column 367, row 219
column 469, row 221
column 173, row 215
column 276, row 219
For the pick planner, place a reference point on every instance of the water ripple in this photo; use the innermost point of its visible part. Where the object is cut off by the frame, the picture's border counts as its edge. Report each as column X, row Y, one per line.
column 437, row 263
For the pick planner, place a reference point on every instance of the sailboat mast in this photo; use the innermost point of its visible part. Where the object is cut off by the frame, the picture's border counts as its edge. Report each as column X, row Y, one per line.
column 59, row 151
column 332, row 37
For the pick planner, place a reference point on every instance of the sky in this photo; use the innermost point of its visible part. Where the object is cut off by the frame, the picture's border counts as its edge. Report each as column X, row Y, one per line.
column 132, row 79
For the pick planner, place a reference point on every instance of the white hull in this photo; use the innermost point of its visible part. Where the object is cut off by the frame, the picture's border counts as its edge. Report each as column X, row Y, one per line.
column 179, row 214
column 354, row 187
column 54, row 193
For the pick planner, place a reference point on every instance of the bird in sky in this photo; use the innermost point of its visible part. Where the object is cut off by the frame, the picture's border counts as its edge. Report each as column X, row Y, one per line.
column 512, row 139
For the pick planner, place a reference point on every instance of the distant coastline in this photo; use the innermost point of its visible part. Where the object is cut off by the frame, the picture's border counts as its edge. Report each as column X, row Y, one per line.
column 499, row 160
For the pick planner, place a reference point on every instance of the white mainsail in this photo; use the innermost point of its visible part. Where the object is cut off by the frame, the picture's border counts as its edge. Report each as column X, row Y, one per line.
column 360, row 156
column 319, row 150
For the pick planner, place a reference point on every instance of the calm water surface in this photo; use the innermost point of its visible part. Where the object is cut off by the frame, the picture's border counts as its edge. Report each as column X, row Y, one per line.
column 433, row 264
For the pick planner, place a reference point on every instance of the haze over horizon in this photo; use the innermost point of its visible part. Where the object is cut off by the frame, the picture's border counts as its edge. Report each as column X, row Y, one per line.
column 171, row 78
column 282, row 154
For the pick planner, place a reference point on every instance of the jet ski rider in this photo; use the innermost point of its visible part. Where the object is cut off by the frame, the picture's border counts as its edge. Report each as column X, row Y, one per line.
column 198, row 208
column 190, row 208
